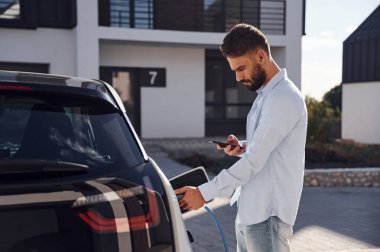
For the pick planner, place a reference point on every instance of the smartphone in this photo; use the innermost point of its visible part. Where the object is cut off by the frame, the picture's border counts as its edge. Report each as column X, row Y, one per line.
column 223, row 145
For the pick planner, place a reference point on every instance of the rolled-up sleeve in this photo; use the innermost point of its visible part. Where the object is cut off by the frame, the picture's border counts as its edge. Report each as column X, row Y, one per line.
column 278, row 116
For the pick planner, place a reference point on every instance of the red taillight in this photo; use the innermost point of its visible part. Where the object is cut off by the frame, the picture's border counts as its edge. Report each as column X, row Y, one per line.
column 16, row 87
column 100, row 223
column 97, row 222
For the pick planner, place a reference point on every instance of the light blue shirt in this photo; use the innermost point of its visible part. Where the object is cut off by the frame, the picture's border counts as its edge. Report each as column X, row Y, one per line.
column 268, row 178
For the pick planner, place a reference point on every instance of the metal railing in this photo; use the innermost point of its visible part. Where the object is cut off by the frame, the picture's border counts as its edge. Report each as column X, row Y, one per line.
column 131, row 13
column 198, row 15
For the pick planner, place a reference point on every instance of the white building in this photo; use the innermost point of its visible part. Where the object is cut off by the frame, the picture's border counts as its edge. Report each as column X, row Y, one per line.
column 162, row 55
column 361, row 82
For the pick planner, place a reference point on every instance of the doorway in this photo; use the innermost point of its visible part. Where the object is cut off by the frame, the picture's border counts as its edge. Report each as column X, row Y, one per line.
column 126, row 82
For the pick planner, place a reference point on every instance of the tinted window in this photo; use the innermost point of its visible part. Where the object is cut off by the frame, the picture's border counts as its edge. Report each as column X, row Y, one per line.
column 70, row 129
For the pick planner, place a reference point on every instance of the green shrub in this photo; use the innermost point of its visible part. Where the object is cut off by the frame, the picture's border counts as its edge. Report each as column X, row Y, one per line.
column 334, row 98
column 321, row 120
column 341, row 154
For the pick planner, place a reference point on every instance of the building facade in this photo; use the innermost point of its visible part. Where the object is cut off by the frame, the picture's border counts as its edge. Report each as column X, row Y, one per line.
column 361, row 82
column 161, row 55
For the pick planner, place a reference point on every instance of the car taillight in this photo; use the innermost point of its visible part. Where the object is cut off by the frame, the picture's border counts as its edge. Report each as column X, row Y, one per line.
column 16, row 87
column 99, row 223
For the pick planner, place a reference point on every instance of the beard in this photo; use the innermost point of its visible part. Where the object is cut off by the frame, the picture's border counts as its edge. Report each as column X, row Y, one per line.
column 258, row 78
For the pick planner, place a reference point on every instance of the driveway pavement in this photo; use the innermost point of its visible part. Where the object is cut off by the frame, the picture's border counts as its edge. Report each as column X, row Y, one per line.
column 329, row 219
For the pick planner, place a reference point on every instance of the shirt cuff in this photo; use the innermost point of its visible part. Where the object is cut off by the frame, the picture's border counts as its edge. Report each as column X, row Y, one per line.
column 208, row 191
column 242, row 143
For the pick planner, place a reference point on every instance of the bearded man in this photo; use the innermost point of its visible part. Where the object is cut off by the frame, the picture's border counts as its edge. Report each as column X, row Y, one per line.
column 266, row 182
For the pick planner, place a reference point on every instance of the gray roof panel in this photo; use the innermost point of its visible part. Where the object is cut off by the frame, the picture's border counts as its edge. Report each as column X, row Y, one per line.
column 369, row 29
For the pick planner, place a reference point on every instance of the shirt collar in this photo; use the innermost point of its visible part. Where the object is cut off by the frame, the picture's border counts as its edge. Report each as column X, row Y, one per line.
column 273, row 82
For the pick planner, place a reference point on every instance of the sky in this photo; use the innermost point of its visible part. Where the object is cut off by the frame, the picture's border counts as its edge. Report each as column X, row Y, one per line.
column 328, row 24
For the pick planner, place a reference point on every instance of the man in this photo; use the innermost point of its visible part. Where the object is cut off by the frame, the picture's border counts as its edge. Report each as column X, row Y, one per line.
column 267, row 181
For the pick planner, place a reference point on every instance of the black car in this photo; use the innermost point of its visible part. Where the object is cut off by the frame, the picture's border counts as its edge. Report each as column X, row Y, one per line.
column 73, row 173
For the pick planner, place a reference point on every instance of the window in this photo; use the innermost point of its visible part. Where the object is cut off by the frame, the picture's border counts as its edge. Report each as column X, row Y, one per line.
column 17, row 13
column 126, row 13
column 225, row 98
column 69, row 129
column 227, row 102
column 9, row 9
column 38, row 13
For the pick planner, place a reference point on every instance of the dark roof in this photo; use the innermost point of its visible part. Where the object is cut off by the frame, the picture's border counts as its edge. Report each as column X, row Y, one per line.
column 369, row 29
column 361, row 51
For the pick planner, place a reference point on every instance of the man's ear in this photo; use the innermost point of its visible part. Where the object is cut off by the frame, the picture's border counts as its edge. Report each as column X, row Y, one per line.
column 261, row 56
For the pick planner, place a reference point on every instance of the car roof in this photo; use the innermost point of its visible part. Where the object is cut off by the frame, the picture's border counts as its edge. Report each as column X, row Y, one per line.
column 62, row 84
column 50, row 79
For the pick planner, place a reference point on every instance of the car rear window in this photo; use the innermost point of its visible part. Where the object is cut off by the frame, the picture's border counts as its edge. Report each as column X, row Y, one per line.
column 69, row 128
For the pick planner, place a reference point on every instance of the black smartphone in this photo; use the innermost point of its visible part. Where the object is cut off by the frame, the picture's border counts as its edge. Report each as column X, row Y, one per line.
column 223, row 145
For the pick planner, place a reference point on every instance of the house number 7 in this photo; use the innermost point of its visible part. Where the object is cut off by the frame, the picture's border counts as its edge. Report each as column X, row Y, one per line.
column 153, row 75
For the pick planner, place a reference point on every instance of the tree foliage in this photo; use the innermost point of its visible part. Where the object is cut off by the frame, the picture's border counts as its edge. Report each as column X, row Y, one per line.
column 334, row 97
column 322, row 117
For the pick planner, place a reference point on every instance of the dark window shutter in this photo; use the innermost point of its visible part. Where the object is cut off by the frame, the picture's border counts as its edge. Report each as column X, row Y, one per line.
column 104, row 12
column 57, row 13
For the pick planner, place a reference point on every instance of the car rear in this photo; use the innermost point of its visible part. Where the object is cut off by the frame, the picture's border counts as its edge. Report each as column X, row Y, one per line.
column 74, row 176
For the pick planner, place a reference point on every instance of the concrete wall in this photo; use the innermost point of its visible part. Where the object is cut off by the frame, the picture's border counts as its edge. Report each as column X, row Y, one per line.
column 87, row 39
column 279, row 55
column 294, row 40
column 360, row 112
column 178, row 109
column 55, row 47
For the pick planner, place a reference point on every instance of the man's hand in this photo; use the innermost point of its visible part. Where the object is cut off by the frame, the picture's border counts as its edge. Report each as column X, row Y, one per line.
column 192, row 199
column 232, row 151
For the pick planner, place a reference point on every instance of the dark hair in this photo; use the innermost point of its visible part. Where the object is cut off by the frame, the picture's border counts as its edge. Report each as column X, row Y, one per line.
column 243, row 38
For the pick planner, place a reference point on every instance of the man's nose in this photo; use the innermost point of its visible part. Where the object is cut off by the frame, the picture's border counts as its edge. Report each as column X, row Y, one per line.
column 239, row 77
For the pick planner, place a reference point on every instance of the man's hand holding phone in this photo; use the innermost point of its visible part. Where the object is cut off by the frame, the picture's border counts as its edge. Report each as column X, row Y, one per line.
column 231, row 147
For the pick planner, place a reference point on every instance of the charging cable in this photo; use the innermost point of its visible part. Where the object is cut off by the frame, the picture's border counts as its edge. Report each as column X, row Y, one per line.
column 213, row 216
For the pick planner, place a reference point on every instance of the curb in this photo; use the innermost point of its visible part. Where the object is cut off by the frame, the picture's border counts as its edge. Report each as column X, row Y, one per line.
column 342, row 177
